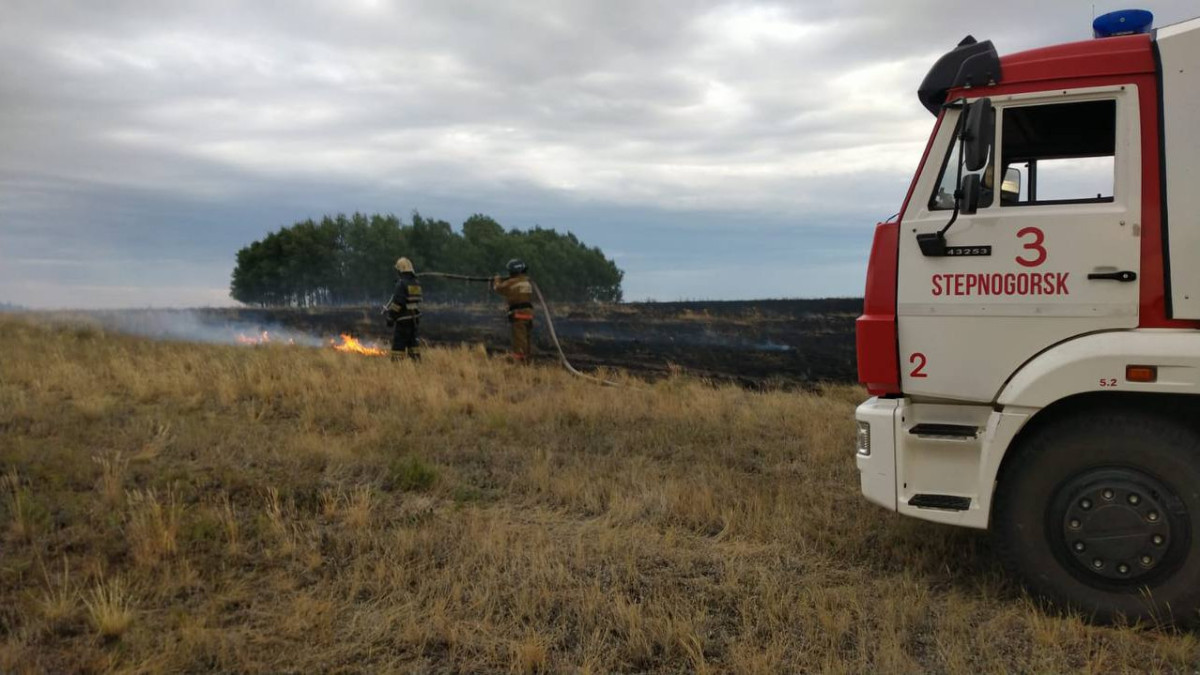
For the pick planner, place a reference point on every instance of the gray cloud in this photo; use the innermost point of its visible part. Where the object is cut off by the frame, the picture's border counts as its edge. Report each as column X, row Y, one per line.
column 144, row 143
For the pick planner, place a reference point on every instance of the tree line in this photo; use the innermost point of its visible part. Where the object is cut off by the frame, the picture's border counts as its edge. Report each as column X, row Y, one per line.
column 349, row 260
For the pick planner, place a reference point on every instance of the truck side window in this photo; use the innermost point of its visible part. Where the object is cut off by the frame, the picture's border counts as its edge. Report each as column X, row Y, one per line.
column 1065, row 152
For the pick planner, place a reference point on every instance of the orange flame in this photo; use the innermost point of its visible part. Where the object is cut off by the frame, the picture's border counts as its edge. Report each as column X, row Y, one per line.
column 254, row 339
column 349, row 344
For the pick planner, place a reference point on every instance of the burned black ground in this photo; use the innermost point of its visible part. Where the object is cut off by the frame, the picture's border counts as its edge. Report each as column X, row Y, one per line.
column 762, row 343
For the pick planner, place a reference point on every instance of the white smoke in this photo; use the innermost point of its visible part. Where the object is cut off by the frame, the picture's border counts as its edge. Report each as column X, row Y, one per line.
column 195, row 326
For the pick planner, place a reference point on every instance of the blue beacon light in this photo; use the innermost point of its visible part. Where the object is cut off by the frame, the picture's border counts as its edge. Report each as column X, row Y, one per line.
column 1123, row 22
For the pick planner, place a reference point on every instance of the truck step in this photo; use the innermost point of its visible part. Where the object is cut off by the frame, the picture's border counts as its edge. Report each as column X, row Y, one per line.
column 943, row 502
column 957, row 431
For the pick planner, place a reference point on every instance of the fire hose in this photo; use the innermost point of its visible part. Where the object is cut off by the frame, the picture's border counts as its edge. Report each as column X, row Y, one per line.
column 562, row 357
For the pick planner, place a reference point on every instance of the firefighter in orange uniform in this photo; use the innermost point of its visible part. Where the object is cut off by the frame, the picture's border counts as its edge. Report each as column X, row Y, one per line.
column 517, row 289
column 404, row 313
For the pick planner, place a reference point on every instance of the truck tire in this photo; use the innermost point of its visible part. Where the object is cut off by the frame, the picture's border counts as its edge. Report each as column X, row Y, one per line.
column 1099, row 513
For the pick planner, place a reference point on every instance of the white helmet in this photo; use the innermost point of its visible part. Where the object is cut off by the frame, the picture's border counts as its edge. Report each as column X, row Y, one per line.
column 404, row 265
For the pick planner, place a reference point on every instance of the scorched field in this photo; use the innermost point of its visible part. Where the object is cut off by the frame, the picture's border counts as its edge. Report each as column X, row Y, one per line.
column 758, row 344
column 179, row 506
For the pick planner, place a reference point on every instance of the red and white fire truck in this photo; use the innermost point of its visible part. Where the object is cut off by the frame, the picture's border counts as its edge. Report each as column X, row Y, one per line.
column 1031, row 326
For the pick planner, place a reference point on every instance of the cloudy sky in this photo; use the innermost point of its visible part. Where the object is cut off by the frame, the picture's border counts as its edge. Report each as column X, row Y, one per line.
column 715, row 149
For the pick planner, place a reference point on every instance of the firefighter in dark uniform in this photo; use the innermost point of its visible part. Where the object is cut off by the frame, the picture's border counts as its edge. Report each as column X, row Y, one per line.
column 517, row 289
column 404, row 313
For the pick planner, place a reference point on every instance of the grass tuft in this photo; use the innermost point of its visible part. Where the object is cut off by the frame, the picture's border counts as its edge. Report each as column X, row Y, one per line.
column 357, row 511
column 59, row 601
column 411, row 474
column 109, row 607
column 229, row 523
column 152, row 528
column 112, row 476
column 18, row 504
column 278, row 513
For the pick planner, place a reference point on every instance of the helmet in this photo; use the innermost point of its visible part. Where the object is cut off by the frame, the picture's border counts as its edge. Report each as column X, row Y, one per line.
column 404, row 265
column 517, row 266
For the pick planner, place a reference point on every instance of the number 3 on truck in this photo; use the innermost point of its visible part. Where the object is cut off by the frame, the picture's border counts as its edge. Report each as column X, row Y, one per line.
column 1039, row 255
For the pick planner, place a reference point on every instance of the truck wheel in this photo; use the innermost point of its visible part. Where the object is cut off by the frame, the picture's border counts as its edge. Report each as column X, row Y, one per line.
column 1098, row 513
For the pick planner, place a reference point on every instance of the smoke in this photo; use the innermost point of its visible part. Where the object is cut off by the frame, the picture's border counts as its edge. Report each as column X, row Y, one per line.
column 196, row 326
column 251, row 326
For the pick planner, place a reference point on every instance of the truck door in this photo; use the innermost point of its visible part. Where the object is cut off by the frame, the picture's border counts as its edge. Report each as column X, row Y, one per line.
column 1051, row 253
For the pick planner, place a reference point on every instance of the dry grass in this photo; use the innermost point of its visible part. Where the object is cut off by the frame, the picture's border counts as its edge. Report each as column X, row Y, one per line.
column 16, row 497
column 112, row 477
column 58, row 601
column 153, row 526
column 221, row 510
column 108, row 606
column 296, row 509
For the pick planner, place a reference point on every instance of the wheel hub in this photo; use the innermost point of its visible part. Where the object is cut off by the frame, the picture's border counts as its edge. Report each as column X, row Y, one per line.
column 1117, row 524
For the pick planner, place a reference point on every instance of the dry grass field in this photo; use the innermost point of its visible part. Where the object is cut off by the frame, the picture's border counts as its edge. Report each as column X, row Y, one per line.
column 168, row 506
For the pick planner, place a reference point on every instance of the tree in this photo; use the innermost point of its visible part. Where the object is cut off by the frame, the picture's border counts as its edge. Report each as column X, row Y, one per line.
column 348, row 260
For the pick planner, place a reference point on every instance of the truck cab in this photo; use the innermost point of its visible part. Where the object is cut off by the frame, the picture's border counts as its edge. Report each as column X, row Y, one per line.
column 1031, row 324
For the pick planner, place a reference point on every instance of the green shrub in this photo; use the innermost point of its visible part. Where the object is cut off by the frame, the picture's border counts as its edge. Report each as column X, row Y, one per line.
column 410, row 474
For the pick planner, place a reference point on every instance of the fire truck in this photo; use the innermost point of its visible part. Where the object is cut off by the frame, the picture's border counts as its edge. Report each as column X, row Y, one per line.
column 1031, row 325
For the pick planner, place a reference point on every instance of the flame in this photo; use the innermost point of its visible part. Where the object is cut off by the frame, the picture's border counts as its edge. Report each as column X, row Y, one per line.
column 349, row 344
column 254, row 339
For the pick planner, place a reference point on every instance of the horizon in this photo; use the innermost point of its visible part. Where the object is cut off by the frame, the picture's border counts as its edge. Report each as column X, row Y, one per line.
column 13, row 307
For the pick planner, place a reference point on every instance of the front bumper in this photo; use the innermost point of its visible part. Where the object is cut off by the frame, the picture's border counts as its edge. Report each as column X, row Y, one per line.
column 899, row 464
column 877, row 464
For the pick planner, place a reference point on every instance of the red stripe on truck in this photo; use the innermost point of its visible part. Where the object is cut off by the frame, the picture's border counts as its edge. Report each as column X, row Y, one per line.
column 875, row 330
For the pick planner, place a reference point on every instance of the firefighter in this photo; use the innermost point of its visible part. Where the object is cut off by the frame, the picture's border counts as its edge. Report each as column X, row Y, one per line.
column 517, row 289
column 404, row 313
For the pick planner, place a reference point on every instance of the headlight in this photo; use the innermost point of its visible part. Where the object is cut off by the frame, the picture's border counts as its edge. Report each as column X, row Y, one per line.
column 864, row 438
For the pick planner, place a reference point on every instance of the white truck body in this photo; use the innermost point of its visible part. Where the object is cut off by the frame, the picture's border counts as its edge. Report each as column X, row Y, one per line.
column 1179, row 52
column 986, row 342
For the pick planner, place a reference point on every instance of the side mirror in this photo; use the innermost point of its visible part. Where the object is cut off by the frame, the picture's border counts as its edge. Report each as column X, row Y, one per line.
column 932, row 244
column 1010, row 189
column 970, row 194
column 979, row 132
